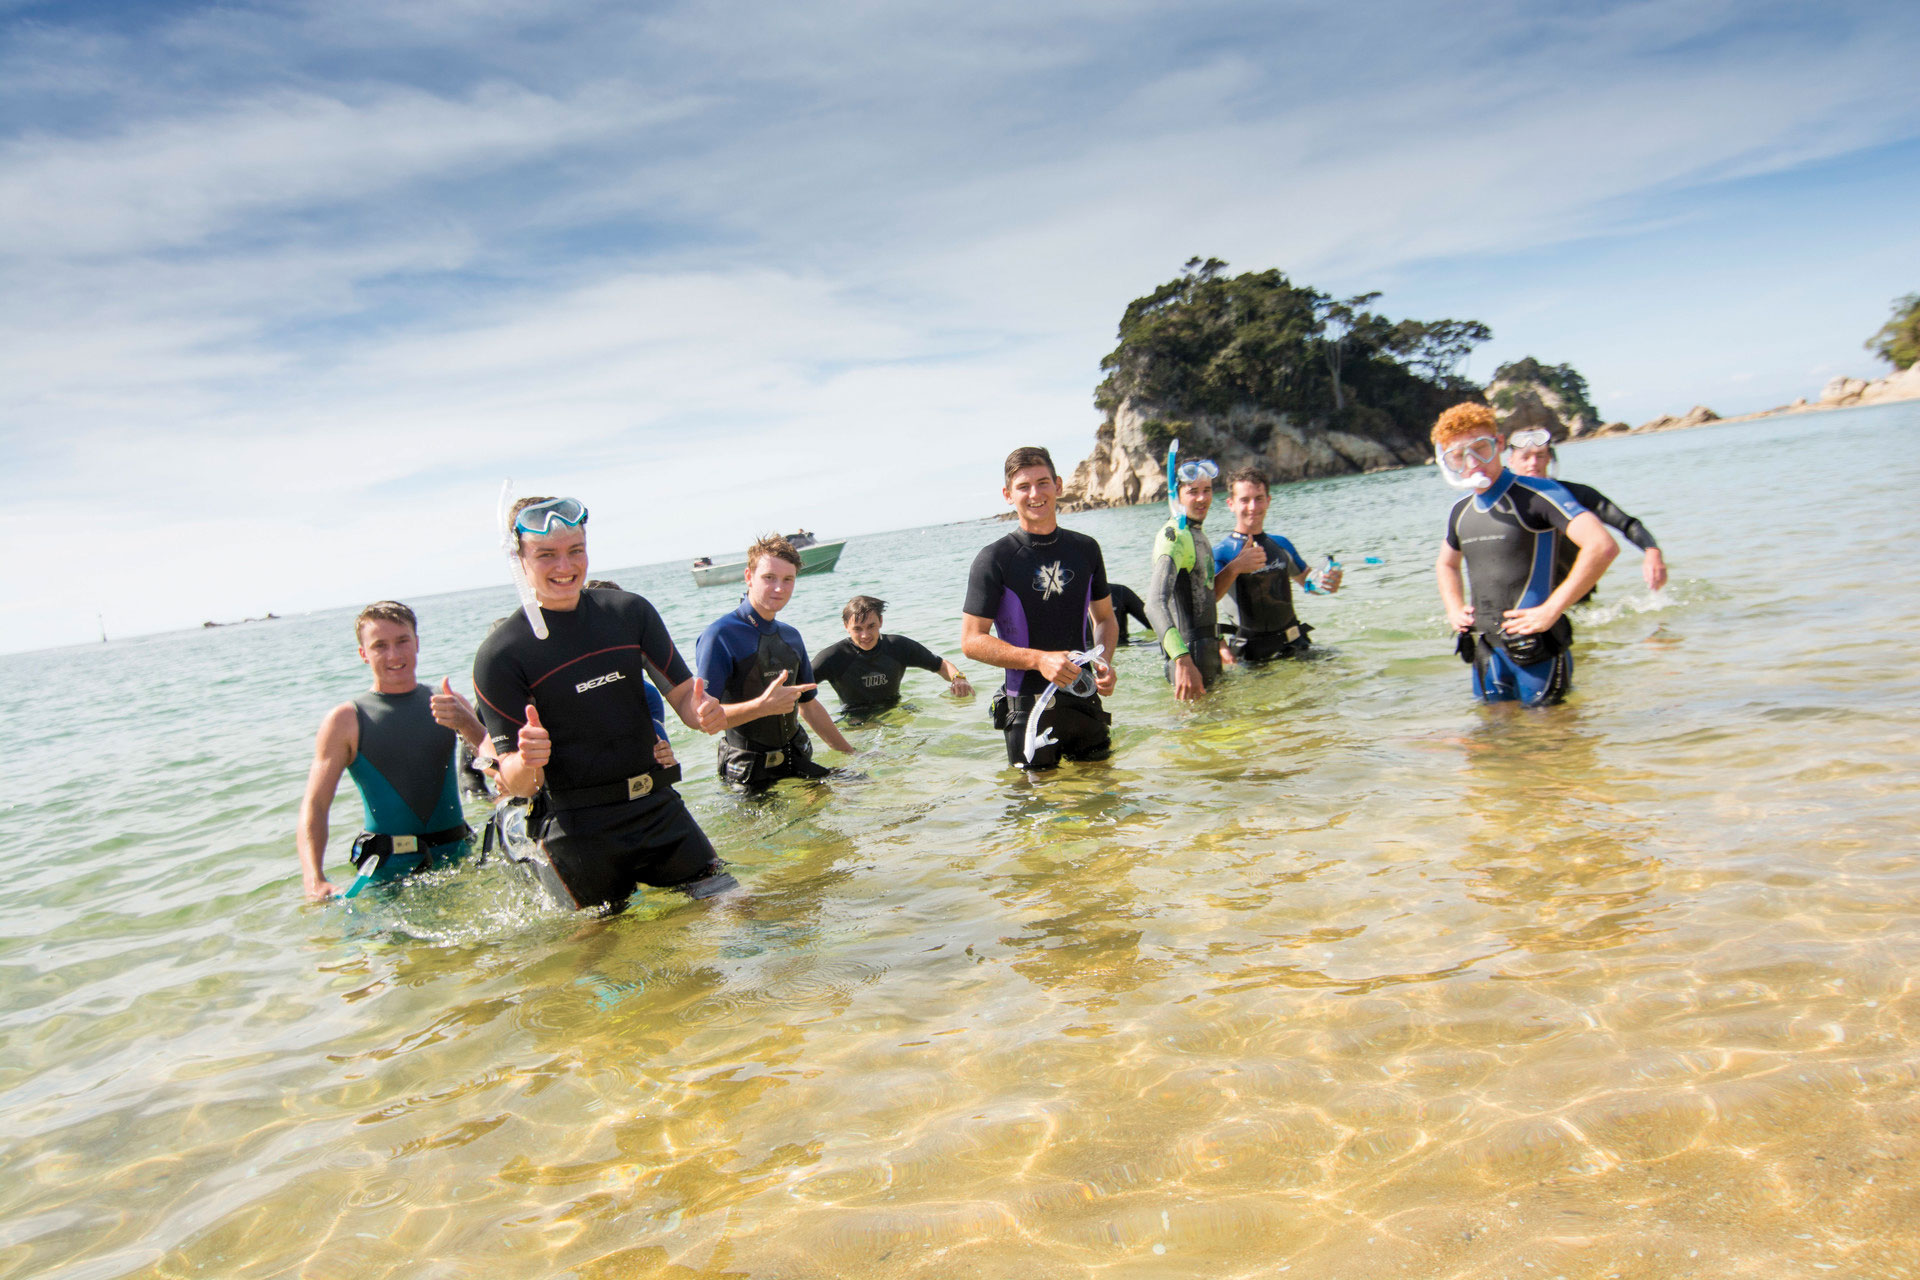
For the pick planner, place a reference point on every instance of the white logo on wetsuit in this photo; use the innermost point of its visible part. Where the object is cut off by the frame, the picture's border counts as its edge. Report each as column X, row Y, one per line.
column 874, row 678
column 1051, row 580
column 597, row 681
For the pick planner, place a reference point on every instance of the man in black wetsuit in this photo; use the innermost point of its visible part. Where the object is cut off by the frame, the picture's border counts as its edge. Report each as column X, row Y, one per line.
column 1036, row 588
column 1128, row 604
column 569, row 720
column 398, row 742
column 1513, row 632
column 1532, row 455
column 1260, row 570
column 866, row 668
column 758, row 667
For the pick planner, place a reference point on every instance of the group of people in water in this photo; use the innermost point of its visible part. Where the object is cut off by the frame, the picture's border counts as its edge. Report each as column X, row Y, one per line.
column 570, row 693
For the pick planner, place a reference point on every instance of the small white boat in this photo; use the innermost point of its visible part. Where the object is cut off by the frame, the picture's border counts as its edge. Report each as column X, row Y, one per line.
column 818, row 557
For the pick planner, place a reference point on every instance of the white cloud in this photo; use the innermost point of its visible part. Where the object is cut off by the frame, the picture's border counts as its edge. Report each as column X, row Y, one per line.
column 312, row 266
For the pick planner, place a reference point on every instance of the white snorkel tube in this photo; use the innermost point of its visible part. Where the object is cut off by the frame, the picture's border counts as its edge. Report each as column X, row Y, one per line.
column 1081, row 688
column 529, row 603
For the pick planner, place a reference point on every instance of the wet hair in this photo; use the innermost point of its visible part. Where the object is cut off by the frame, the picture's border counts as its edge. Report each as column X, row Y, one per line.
column 1463, row 421
column 772, row 544
column 1249, row 474
column 1030, row 455
column 513, row 518
column 385, row 611
column 601, row 584
column 861, row 606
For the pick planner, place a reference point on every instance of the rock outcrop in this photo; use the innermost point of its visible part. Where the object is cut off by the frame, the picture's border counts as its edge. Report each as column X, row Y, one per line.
column 1524, row 395
column 1844, row 393
column 1694, row 417
column 1129, row 459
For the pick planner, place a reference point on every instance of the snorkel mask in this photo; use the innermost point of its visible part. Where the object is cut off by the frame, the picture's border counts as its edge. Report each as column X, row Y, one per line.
column 1179, row 473
column 1456, row 458
column 1533, row 438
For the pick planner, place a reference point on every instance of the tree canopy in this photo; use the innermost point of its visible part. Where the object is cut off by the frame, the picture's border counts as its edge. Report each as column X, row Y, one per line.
column 1206, row 341
column 1561, row 379
column 1898, row 342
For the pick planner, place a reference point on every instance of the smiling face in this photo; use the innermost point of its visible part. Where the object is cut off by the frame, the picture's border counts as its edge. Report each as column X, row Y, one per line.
column 1249, row 503
column 556, row 564
column 1196, row 499
column 770, row 584
column 1033, row 493
column 392, row 650
column 865, row 630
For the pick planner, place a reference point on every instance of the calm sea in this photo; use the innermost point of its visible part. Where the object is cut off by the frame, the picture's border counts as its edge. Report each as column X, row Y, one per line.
column 1336, row 975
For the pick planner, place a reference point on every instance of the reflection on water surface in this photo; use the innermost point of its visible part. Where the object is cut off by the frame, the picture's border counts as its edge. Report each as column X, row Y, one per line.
column 1337, row 975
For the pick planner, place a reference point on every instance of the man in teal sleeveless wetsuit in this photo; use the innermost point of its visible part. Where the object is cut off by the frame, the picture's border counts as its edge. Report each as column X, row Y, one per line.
column 398, row 742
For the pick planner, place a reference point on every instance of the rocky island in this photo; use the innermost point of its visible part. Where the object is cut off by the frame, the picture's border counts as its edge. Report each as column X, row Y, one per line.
column 1256, row 369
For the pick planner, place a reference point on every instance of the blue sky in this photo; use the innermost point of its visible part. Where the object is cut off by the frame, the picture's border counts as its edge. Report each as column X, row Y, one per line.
column 292, row 287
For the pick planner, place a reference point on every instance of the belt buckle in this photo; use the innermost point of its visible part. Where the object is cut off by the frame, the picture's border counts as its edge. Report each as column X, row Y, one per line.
column 775, row 759
column 1293, row 633
column 406, row 844
column 639, row 786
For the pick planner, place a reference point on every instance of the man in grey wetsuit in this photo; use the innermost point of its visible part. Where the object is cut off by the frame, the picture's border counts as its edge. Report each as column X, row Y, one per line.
column 1532, row 455
column 1180, row 599
column 398, row 742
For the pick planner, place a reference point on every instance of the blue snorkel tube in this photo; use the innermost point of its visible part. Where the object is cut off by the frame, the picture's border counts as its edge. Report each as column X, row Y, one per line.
column 1174, row 509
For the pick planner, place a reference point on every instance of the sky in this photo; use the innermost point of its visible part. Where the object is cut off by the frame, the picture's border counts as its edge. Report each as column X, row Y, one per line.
column 291, row 289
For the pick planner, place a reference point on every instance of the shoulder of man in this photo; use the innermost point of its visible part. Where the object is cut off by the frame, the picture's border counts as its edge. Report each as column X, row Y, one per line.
column 1550, row 492
column 1175, row 543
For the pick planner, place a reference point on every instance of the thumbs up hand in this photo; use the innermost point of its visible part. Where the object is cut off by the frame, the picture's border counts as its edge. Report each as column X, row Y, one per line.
column 456, row 713
column 704, row 710
column 536, row 747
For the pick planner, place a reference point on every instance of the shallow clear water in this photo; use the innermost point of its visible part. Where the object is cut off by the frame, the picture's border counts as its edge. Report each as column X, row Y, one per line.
column 1337, row 975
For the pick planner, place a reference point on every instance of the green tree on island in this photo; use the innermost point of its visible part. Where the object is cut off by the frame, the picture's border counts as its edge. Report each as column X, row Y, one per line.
column 1561, row 379
column 1898, row 342
column 1205, row 342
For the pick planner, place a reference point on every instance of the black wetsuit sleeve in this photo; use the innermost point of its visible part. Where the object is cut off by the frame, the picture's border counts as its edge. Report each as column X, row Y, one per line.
column 1098, row 588
column 1601, row 505
column 664, row 662
column 833, row 661
column 501, row 693
column 985, row 583
column 1453, row 523
column 914, row 654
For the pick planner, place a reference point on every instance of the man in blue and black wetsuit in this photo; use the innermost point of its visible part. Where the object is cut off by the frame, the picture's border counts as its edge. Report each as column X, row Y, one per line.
column 1513, row 631
column 1531, row 454
column 1030, row 597
column 1259, row 570
column 569, row 719
column 757, row 666
column 398, row 743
